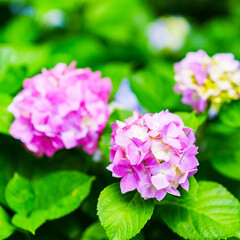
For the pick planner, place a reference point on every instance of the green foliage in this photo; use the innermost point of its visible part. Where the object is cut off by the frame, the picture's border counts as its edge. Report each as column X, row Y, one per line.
column 153, row 87
column 117, row 20
column 22, row 29
column 18, row 63
column 52, row 197
column 230, row 114
column 94, row 232
column 131, row 212
column 193, row 189
column 222, row 148
column 228, row 164
column 31, row 222
column 5, row 115
column 68, row 190
column 86, row 50
column 20, row 195
column 116, row 72
column 213, row 214
column 12, row 79
column 112, row 36
column 6, row 229
column 45, row 5
column 191, row 120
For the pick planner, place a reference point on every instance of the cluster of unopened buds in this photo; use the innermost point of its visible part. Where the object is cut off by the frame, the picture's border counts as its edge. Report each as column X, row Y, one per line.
column 207, row 80
column 64, row 107
column 153, row 153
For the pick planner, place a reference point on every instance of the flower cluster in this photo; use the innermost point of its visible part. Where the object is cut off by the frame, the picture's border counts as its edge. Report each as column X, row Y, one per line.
column 153, row 153
column 168, row 33
column 64, row 107
column 203, row 79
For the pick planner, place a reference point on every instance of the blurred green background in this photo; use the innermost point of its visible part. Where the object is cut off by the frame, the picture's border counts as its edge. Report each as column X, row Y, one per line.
column 135, row 40
column 138, row 40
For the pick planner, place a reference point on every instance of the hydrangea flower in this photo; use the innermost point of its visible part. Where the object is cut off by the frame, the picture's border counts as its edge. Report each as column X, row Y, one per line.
column 153, row 153
column 168, row 33
column 203, row 79
column 125, row 98
column 64, row 107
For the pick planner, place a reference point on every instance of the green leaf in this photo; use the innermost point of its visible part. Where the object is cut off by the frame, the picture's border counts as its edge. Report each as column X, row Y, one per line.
column 62, row 192
column 5, row 115
column 19, row 195
column 224, row 153
column 56, row 195
column 193, row 189
column 44, row 6
column 153, row 87
column 21, row 29
column 104, row 143
column 123, row 215
column 11, row 79
column 94, row 232
column 214, row 214
column 32, row 222
column 6, row 229
column 191, row 120
column 117, row 20
column 138, row 237
column 19, row 58
column 227, row 163
column 230, row 114
column 3, row 181
column 86, row 50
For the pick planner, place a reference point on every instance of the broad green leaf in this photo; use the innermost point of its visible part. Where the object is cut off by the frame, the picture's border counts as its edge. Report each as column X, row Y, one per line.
column 94, row 232
column 202, row 117
column 190, row 119
column 19, row 195
column 153, row 87
column 230, row 114
column 5, row 115
column 11, row 79
column 56, row 195
column 220, row 128
column 62, row 192
column 214, row 214
column 117, row 20
column 6, row 173
column 6, row 229
column 21, row 29
column 139, row 236
column 20, row 58
column 120, row 115
column 123, row 215
column 86, row 50
column 223, row 151
column 31, row 222
column 104, row 143
column 193, row 189
column 44, row 6
column 227, row 163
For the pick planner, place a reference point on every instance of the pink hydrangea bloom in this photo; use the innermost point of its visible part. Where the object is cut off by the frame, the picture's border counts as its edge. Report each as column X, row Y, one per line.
column 203, row 79
column 153, row 153
column 64, row 107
